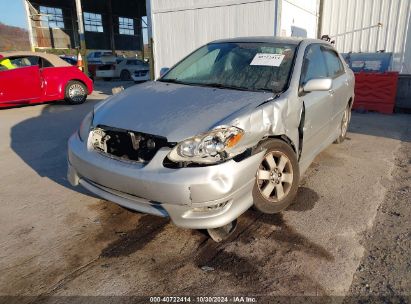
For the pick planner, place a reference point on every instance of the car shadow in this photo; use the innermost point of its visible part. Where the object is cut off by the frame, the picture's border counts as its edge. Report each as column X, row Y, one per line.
column 380, row 125
column 41, row 141
column 106, row 87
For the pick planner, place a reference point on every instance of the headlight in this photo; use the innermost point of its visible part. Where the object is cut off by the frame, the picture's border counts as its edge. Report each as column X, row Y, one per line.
column 84, row 129
column 211, row 147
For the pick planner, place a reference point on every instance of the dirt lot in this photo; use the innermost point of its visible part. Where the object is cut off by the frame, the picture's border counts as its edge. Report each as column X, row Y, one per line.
column 348, row 232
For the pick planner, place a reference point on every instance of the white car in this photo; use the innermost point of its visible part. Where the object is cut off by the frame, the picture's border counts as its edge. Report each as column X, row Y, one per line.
column 95, row 57
column 141, row 75
column 125, row 69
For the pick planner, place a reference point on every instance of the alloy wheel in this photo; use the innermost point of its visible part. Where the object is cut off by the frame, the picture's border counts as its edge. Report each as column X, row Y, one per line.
column 345, row 121
column 275, row 176
column 76, row 92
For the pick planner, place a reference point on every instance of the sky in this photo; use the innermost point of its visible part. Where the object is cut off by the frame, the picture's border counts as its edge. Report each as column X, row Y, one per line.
column 12, row 13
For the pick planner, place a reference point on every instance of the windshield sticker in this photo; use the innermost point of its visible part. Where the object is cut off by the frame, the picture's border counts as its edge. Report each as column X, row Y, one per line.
column 267, row 59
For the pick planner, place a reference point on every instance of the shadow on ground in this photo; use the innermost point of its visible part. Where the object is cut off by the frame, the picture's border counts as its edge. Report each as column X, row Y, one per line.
column 41, row 141
column 379, row 125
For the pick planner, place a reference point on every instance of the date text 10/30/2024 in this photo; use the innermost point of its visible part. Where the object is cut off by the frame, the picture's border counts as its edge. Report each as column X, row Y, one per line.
column 189, row 299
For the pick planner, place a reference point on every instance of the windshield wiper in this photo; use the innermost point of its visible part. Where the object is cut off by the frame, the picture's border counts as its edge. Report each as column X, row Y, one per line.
column 212, row 84
column 224, row 86
column 171, row 80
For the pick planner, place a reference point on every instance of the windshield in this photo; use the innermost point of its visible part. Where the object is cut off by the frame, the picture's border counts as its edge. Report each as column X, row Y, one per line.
column 248, row 66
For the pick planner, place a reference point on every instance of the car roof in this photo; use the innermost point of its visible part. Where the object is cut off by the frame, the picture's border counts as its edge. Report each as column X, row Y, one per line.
column 270, row 39
column 53, row 59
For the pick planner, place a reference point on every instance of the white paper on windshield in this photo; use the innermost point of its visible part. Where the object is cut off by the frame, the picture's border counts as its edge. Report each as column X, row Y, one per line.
column 267, row 59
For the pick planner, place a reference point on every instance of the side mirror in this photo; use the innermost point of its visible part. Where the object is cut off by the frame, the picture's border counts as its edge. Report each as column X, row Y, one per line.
column 320, row 84
column 163, row 71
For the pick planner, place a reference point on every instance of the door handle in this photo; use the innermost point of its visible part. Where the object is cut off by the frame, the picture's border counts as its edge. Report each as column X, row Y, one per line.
column 331, row 92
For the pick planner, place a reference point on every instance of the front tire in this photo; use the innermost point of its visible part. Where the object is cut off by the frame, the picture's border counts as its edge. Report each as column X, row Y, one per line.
column 345, row 121
column 221, row 234
column 277, row 177
column 75, row 92
column 125, row 75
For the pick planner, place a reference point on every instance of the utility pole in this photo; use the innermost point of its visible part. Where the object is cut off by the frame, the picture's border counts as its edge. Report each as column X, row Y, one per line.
column 29, row 26
column 150, row 39
column 80, row 27
column 111, row 26
column 320, row 19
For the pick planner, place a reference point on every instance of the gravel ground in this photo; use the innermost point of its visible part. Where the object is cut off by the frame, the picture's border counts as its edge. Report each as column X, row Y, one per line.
column 385, row 269
column 349, row 220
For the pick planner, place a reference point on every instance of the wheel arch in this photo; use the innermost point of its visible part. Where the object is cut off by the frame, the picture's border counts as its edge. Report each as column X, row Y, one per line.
column 283, row 138
column 350, row 102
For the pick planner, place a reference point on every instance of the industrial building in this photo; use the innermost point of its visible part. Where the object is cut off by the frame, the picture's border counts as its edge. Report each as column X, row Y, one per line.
column 371, row 26
column 178, row 27
column 105, row 25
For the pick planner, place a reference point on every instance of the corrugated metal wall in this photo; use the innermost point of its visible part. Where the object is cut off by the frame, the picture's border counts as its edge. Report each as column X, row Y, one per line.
column 341, row 18
column 180, row 26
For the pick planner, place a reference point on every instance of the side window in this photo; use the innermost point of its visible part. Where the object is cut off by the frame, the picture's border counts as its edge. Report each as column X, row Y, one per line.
column 334, row 65
column 6, row 64
column 314, row 64
column 19, row 62
column 45, row 63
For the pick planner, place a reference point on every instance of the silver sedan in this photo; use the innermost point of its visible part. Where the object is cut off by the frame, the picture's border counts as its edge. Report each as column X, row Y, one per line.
column 234, row 124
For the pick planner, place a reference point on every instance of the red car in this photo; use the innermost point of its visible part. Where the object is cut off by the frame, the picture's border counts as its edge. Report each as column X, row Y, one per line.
column 28, row 78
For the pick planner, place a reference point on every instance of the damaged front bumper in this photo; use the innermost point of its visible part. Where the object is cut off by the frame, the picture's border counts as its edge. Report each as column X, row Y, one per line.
column 197, row 198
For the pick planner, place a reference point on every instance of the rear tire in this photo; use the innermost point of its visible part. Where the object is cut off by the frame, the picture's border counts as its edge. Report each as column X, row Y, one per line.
column 345, row 121
column 125, row 75
column 277, row 177
column 75, row 92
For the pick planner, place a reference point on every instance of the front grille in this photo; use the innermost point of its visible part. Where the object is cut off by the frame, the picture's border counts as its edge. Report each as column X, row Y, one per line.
column 127, row 145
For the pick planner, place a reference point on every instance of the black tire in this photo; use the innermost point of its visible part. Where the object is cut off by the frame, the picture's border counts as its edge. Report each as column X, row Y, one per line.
column 343, row 129
column 125, row 75
column 286, row 179
column 107, row 78
column 75, row 92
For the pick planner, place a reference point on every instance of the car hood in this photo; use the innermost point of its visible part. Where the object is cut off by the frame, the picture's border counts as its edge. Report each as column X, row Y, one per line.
column 172, row 110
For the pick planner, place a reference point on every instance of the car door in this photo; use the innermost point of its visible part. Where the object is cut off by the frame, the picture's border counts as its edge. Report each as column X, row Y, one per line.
column 317, row 104
column 120, row 65
column 340, row 79
column 131, row 65
column 20, row 84
column 51, row 79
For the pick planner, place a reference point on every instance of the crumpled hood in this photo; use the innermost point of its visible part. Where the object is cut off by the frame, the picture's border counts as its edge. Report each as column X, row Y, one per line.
column 172, row 110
